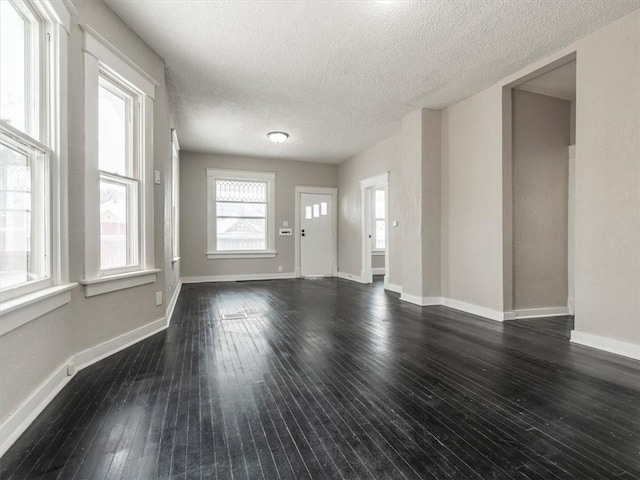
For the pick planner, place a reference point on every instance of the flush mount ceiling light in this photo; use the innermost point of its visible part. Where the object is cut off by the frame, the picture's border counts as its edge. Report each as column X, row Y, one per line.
column 277, row 137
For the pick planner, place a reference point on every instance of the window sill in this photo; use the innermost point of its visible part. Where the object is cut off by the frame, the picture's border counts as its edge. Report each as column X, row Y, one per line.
column 112, row 283
column 377, row 253
column 237, row 255
column 18, row 311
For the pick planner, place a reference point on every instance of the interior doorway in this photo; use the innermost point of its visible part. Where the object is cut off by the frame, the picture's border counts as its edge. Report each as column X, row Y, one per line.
column 375, row 227
column 539, row 247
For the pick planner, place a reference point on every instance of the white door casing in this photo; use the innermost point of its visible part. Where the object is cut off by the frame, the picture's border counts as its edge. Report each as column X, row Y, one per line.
column 366, row 187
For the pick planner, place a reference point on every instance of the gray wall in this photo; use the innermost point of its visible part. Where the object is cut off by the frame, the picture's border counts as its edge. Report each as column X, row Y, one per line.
column 193, row 210
column 377, row 261
column 541, row 135
column 34, row 351
column 382, row 157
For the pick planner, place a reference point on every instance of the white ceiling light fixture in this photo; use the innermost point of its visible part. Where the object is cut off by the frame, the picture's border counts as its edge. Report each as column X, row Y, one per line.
column 278, row 137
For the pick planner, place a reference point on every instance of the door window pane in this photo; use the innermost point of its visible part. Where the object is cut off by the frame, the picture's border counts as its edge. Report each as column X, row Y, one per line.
column 14, row 66
column 113, row 131
column 22, row 252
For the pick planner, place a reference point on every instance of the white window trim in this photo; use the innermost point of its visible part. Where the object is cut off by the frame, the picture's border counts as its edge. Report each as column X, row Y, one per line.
column 99, row 56
column 175, row 197
column 214, row 174
column 21, row 310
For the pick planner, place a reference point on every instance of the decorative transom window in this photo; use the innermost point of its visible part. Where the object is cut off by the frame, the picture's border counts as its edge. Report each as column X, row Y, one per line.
column 31, row 160
column 379, row 220
column 240, row 210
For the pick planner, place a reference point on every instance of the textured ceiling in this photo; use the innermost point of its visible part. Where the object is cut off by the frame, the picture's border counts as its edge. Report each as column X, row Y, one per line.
column 559, row 82
column 339, row 75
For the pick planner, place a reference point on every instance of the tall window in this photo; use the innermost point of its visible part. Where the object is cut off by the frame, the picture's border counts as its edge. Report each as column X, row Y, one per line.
column 118, row 170
column 379, row 221
column 241, row 214
column 118, row 148
column 25, row 154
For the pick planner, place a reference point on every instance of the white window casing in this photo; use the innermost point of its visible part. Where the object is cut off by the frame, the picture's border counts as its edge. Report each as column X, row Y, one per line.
column 102, row 60
column 214, row 175
column 45, row 142
column 175, row 197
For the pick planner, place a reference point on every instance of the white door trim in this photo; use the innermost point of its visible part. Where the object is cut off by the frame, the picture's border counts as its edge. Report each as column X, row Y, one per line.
column 299, row 189
column 381, row 180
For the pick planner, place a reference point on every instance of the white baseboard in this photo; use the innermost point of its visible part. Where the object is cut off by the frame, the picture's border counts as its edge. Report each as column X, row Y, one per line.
column 378, row 271
column 96, row 353
column 421, row 301
column 19, row 421
column 393, row 287
column 540, row 312
column 571, row 306
column 26, row 413
column 236, row 278
column 478, row 310
column 348, row 276
column 610, row 345
column 174, row 299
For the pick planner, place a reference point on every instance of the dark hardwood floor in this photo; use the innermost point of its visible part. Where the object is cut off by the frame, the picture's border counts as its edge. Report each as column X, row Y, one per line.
column 295, row 379
column 554, row 326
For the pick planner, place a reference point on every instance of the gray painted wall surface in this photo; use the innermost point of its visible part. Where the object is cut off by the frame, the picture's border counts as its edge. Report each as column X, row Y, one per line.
column 377, row 261
column 382, row 157
column 541, row 134
column 193, row 210
column 34, row 351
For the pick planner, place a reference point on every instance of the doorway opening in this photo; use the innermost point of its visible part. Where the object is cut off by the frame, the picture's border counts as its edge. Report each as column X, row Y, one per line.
column 539, row 191
column 375, row 227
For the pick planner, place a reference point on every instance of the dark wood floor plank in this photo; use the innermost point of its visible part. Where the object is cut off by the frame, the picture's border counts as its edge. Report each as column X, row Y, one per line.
column 325, row 379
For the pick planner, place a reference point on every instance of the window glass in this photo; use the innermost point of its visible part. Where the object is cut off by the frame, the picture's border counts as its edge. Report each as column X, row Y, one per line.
column 113, row 225
column 241, row 211
column 14, row 66
column 22, row 214
column 113, row 129
column 379, row 219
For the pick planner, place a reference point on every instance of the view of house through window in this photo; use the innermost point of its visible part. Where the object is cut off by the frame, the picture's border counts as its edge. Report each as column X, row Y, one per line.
column 119, row 246
column 379, row 219
column 24, row 156
column 241, row 215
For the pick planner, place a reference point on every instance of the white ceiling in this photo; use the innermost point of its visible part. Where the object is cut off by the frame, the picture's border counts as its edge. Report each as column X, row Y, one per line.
column 559, row 82
column 339, row 75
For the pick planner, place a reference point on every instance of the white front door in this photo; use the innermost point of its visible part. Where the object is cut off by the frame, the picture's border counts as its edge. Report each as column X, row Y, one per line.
column 316, row 236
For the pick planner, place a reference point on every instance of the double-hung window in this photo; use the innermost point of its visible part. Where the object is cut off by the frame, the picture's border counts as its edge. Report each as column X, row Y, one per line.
column 33, row 239
column 241, row 220
column 118, row 170
column 379, row 209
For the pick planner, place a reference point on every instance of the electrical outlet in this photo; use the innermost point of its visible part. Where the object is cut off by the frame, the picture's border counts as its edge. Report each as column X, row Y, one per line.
column 158, row 298
column 71, row 369
column 279, row 268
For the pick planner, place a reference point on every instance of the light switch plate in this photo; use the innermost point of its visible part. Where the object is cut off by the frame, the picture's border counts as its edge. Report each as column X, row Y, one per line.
column 156, row 177
column 394, row 223
column 285, row 223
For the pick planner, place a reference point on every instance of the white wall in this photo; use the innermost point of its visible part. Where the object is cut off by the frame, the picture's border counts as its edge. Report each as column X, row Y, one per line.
column 382, row 157
column 193, row 210
column 607, row 256
column 34, row 351
column 541, row 134
column 472, row 265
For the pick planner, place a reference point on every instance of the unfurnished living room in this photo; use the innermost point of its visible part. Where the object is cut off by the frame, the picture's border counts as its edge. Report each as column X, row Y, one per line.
column 319, row 239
